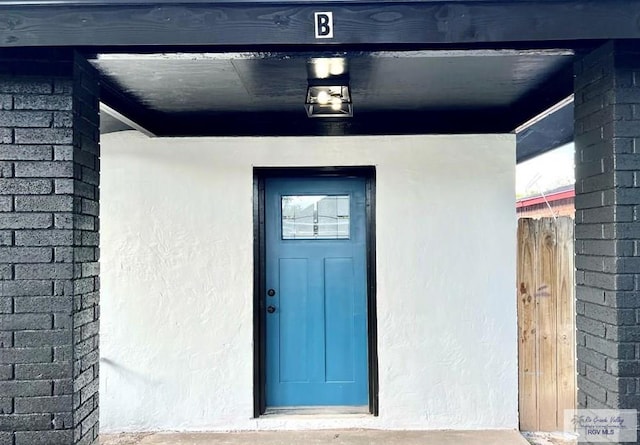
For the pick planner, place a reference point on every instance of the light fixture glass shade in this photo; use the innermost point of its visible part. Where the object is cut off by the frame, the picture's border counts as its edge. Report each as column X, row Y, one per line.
column 328, row 101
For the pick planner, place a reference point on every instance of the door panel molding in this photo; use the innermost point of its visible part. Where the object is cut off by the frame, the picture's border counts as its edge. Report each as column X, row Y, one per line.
column 259, row 303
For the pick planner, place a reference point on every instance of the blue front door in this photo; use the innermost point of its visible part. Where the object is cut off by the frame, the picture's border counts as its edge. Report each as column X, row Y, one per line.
column 316, row 302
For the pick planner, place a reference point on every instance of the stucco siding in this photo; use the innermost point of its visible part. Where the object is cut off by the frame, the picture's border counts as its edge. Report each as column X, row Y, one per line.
column 177, row 280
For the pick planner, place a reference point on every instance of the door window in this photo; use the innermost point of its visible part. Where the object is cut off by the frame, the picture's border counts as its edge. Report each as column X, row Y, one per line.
column 315, row 217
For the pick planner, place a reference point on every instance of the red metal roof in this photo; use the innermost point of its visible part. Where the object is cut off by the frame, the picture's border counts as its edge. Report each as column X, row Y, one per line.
column 550, row 197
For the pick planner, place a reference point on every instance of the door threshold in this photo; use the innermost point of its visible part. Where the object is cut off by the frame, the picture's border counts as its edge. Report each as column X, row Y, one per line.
column 317, row 411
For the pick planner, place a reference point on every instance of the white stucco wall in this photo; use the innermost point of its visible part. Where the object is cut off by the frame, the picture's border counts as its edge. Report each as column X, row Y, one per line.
column 176, row 304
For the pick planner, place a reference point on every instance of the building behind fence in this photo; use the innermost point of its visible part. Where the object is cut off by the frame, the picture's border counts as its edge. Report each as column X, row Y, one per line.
column 554, row 203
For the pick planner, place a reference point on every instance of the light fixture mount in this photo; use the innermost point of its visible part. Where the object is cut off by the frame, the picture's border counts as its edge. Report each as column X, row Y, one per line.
column 328, row 93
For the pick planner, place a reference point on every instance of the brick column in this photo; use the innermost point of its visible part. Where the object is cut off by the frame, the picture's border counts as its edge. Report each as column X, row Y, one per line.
column 607, row 137
column 49, row 276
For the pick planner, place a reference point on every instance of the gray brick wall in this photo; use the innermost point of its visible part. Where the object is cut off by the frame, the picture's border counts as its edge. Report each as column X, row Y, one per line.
column 607, row 138
column 49, row 274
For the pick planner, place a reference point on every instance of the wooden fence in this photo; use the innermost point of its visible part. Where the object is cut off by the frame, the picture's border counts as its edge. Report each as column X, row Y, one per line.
column 546, row 322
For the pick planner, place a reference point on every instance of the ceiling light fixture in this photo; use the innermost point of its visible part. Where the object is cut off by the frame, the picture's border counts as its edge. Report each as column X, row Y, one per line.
column 328, row 93
column 328, row 98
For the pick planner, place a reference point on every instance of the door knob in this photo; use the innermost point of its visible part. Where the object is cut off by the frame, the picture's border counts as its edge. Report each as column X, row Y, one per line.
column 271, row 309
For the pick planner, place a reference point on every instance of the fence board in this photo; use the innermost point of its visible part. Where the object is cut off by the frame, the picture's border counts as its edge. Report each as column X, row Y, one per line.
column 527, row 381
column 545, row 297
column 546, row 322
column 566, row 329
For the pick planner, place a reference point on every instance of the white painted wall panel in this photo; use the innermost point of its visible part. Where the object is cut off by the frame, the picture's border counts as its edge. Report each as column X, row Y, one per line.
column 177, row 271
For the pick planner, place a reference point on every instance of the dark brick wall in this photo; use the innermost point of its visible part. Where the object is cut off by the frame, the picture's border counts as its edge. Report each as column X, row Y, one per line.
column 607, row 137
column 49, row 274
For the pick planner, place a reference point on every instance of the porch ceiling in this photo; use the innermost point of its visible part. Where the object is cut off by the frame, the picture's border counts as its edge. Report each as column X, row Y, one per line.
column 393, row 92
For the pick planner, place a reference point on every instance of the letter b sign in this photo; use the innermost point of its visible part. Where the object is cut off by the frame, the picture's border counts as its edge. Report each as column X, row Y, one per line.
column 324, row 25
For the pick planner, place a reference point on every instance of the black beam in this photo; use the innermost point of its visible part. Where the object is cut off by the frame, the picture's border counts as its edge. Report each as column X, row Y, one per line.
column 243, row 24
column 551, row 132
column 192, row 2
column 298, row 124
column 35, row 61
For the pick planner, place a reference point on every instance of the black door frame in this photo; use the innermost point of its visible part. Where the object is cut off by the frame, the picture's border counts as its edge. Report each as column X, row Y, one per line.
column 259, row 271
